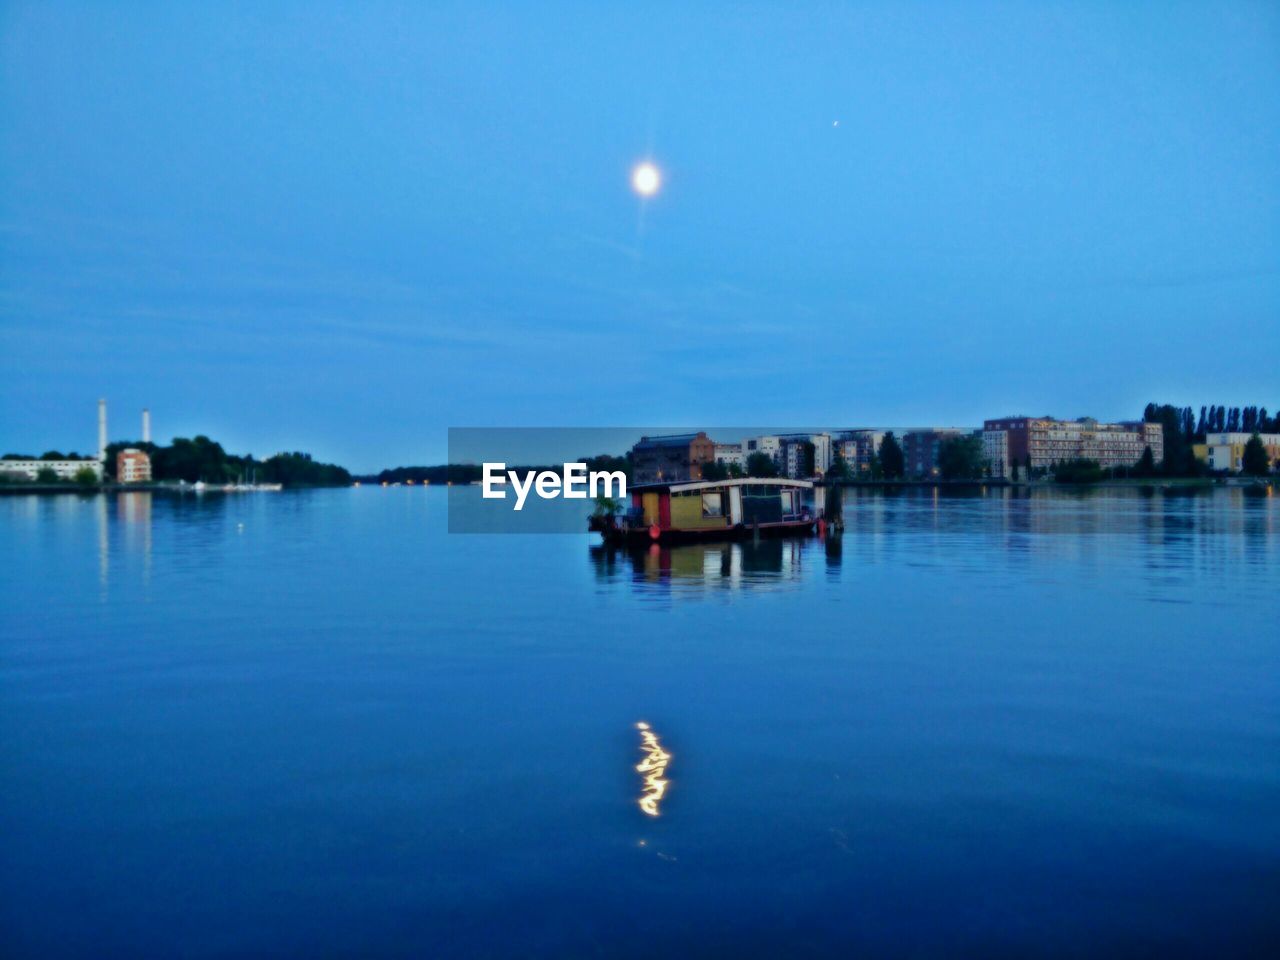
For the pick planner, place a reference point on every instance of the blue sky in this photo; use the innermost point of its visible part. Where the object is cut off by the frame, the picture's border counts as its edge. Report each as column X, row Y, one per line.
column 347, row 228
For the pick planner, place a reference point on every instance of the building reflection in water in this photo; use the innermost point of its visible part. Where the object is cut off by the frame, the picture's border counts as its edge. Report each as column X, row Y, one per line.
column 133, row 514
column 697, row 568
column 131, row 533
column 104, row 542
column 977, row 528
column 652, row 769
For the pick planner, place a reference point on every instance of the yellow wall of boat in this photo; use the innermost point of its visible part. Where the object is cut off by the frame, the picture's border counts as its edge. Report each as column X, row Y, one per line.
column 686, row 513
column 650, row 503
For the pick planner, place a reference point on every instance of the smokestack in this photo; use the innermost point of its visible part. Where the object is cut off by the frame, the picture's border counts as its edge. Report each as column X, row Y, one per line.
column 146, row 425
column 102, row 430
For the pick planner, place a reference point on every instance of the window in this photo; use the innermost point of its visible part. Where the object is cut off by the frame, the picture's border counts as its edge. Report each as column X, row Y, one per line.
column 788, row 498
column 712, row 505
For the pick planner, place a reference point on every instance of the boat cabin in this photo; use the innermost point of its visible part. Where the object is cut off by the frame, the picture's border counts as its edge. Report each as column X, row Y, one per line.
column 714, row 509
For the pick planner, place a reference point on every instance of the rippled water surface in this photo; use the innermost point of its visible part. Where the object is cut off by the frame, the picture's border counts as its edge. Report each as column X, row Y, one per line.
column 315, row 724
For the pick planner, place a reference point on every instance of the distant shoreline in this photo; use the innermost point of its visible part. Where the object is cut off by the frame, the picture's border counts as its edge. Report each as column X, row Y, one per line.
column 54, row 489
column 95, row 488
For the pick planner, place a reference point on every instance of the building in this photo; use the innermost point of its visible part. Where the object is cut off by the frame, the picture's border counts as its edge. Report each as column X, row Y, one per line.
column 920, row 449
column 133, row 466
column 671, row 458
column 65, row 469
column 1225, row 451
column 770, row 446
column 795, row 453
column 1044, row 441
column 859, row 448
column 731, row 455
column 995, row 452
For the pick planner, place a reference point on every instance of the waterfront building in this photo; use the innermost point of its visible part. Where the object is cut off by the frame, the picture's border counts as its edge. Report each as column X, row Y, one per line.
column 671, row 458
column 133, row 466
column 1046, row 441
column 771, row 446
column 793, row 460
column 1226, row 450
column 65, row 469
column 995, row 451
column 731, row 454
column 858, row 448
column 920, row 448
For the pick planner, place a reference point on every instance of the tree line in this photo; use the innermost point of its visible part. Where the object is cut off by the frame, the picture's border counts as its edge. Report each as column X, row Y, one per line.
column 463, row 473
column 202, row 459
column 1181, row 429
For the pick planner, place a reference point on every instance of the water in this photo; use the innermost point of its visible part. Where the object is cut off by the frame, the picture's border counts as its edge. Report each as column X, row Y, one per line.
column 314, row 724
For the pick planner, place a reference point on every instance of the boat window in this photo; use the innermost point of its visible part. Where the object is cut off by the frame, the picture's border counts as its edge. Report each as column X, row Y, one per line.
column 713, row 504
column 788, row 501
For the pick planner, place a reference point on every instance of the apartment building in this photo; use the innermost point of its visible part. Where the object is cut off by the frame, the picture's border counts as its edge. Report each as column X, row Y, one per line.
column 133, row 466
column 920, row 449
column 1046, row 441
column 858, row 448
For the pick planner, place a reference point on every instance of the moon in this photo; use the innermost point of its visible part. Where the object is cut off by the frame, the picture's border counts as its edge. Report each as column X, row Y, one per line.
column 645, row 179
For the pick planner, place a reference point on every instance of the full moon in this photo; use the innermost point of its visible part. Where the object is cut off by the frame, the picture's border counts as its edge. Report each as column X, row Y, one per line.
column 645, row 179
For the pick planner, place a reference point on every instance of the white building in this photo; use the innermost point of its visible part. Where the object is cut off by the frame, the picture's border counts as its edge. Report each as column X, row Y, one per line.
column 793, row 459
column 731, row 454
column 771, row 446
column 1226, row 450
column 65, row 469
column 995, row 451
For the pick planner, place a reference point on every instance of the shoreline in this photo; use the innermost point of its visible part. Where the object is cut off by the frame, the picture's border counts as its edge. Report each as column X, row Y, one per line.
column 53, row 489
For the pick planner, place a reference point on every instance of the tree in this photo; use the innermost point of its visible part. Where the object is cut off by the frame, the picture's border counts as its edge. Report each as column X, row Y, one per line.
column 1077, row 471
column 892, row 461
column 1254, row 462
column 86, row 477
column 1178, row 460
column 715, row 470
column 606, row 506
column 46, row 475
column 760, row 464
column 299, row 470
column 1146, row 465
column 960, row 458
column 839, row 468
column 1013, row 470
column 52, row 455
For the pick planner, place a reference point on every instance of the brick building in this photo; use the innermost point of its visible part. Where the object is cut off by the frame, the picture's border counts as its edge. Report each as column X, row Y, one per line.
column 920, row 449
column 133, row 466
column 671, row 458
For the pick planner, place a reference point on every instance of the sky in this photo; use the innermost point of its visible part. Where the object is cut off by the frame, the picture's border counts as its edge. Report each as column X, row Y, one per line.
column 345, row 228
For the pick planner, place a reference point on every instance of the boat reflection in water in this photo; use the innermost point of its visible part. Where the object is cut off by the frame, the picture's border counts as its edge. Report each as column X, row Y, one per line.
column 652, row 769
column 705, row 567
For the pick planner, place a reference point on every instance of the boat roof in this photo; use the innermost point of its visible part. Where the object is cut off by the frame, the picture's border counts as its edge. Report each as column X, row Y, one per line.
column 690, row 485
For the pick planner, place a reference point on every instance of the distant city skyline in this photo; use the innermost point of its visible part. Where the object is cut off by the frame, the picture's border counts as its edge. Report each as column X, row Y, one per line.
column 346, row 231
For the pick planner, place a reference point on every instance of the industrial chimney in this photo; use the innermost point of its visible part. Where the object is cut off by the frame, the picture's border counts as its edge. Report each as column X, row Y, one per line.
column 102, row 430
column 146, row 425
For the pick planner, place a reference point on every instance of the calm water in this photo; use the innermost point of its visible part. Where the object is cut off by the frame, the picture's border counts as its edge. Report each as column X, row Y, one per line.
column 315, row 724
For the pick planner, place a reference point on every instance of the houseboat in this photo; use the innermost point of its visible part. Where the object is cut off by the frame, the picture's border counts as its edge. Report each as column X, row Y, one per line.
column 684, row 512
